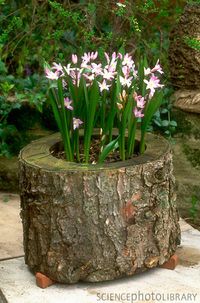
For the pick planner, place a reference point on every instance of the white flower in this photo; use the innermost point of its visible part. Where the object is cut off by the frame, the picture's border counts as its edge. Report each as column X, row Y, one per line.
column 120, row 4
column 103, row 86
column 51, row 75
column 76, row 123
column 125, row 81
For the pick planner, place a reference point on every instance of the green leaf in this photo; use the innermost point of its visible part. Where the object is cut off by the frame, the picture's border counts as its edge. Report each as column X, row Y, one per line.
column 150, row 109
column 173, row 123
column 165, row 123
column 92, row 100
column 108, row 148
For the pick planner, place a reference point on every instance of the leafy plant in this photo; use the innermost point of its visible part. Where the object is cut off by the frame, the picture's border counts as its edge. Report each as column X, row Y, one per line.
column 104, row 94
column 162, row 121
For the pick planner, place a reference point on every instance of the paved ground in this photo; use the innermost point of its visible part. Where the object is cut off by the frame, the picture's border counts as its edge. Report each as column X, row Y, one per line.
column 10, row 226
column 17, row 284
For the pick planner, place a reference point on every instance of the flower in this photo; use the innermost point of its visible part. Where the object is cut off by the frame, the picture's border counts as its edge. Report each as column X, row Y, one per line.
column 120, row 4
column 67, row 103
column 76, row 123
column 96, row 68
column 116, row 99
column 125, row 81
column 58, row 68
column 51, row 75
column 67, row 68
column 152, row 84
column 126, row 71
column 123, row 96
column 139, row 100
column 157, row 68
column 138, row 113
column 103, row 86
column 108, row 75
column 74, row 58
column 128, row 61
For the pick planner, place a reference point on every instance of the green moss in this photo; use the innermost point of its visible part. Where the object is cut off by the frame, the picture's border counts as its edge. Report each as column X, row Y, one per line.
column 193, row 155
column 188, row 124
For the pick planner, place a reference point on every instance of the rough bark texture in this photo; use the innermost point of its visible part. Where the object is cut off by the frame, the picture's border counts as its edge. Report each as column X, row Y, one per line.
column 96, row 223
column 184, row 60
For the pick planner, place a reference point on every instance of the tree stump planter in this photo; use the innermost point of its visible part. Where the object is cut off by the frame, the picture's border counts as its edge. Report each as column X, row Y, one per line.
column 97, row 223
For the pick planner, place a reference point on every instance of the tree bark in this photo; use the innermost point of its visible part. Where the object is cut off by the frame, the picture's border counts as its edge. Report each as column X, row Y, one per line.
column 97, row 223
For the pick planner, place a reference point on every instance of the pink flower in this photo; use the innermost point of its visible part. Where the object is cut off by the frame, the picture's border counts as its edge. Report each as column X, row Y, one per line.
column 125, row 81
column 140, row 100
column 126, row 71
column 108, row 75
column 120, row 56
column 67, row 103
column 157, row 68
column 76, row 123
column 86, row 57
column 93, row 55
column 96, row 68
column 103, row 86
column 152, row 84
column 138, row 113
column 147, row 71
column 90, row 78
column 51, row 75
column 67, row 68
column 107, row 57
column 74, row 59
column 57, row 67
column 76, row 76
column 128, row 61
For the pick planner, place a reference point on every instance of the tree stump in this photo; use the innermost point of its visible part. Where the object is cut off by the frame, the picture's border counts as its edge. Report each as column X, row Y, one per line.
column 97, row 223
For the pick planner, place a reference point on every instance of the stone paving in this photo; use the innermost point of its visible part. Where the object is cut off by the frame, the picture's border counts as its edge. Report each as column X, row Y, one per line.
column 17, row 283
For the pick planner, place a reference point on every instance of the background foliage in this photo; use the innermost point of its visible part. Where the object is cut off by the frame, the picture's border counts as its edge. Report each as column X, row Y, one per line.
column 33, row 32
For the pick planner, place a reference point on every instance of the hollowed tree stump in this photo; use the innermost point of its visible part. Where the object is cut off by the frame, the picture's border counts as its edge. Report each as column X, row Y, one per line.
column 97, row 223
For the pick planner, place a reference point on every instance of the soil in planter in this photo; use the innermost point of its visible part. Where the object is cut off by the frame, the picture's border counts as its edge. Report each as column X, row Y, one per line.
column 58, row 151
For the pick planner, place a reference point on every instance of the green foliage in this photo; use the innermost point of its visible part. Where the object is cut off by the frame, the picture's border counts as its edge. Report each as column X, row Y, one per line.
column 193, row 43
column 31, row 33
column 14, row 93
column 193, row 210
column 162, row 120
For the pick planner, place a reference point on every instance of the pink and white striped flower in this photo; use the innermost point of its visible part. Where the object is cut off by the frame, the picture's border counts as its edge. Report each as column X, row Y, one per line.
column 103, row 86
column 67, row 68
column 127, row 60
column 108, row 75
column 58, row 68
column 76, row 123
column 96, row 68
column 74, row 59
column 67, row 103
column 157, row 68
column 138, row 113
column 51, row 75
column 140, row 101
column 152, row 84
column 125, row 81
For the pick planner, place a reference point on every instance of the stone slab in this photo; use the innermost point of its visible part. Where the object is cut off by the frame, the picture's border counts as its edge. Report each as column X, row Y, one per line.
column 10, row 227
column 18, row 285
